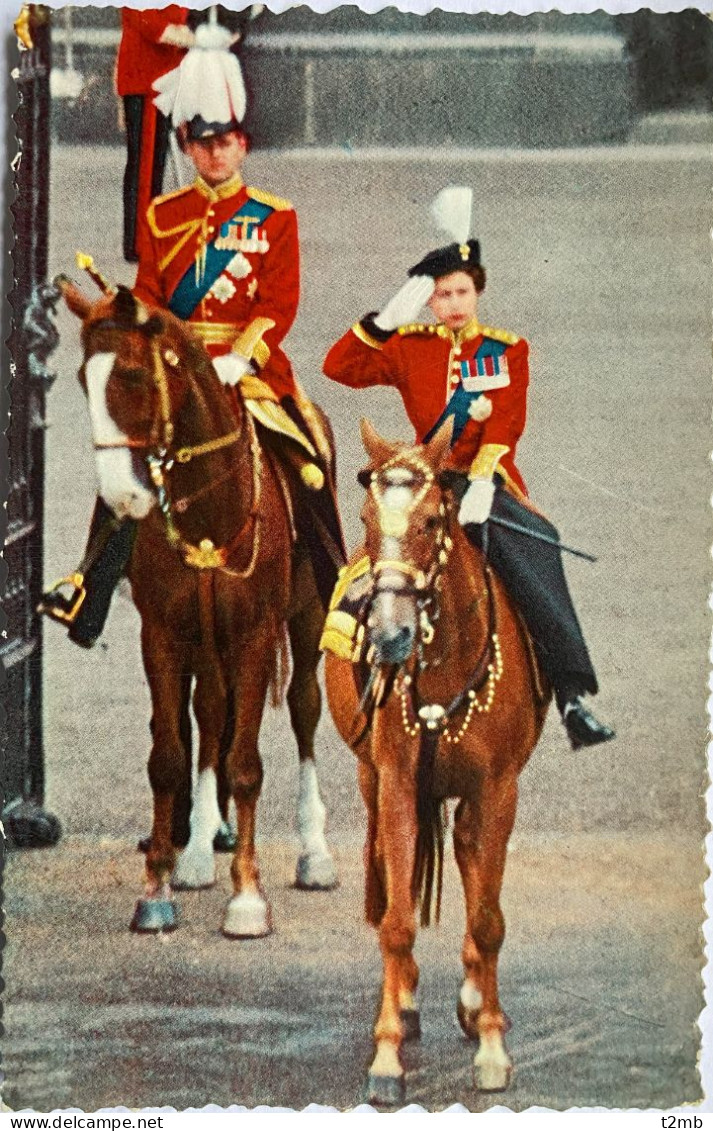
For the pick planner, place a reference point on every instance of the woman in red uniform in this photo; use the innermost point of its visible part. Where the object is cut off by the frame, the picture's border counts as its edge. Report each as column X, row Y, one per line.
column 478, row 375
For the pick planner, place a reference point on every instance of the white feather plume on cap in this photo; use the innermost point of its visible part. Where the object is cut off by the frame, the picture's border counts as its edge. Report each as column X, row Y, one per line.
column 207, row 83
column 452, row 211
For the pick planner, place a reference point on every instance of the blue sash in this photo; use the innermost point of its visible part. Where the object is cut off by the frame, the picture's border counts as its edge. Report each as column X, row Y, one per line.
column 459, row 404
column 192, row 288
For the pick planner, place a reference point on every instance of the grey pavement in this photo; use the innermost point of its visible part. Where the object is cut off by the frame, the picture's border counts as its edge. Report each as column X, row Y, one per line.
column 601, row 260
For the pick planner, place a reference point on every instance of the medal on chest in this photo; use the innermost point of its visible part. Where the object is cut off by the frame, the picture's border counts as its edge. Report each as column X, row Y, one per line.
column 482, row 373
column 244, row 235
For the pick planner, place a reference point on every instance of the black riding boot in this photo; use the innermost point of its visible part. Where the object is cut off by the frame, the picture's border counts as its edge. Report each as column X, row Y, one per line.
column 82, row 600
column 534, row 577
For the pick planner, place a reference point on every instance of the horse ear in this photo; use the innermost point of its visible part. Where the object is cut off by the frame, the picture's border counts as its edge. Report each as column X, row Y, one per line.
column 439, row 446
column 377, row 449
column 125, row 306
column 74, row 296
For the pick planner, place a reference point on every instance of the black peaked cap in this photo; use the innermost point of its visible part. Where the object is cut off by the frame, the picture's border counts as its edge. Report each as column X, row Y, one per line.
column 446, row 260
column 198, row 128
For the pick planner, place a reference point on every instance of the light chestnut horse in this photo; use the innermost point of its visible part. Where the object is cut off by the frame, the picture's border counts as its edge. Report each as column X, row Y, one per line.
column 218, row 587
column 446, row 704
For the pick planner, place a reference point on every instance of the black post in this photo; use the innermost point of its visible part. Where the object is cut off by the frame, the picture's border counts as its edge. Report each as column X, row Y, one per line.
column 32, row 337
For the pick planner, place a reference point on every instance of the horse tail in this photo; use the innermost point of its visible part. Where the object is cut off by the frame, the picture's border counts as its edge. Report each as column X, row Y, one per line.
column 428, row 863
column 280, row 668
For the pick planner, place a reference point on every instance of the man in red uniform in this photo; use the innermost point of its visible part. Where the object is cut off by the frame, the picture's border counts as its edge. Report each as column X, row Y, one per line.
column 152, row 43
column 225, row 259
column 479, row 376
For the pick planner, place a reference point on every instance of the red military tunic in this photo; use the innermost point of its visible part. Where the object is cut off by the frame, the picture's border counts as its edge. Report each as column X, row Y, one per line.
column 252, row 304
column 142, row 57
column 424, row 362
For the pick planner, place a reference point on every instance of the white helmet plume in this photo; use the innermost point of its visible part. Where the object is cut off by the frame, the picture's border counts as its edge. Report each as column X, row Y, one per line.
column 452, row 211
column 208, row 82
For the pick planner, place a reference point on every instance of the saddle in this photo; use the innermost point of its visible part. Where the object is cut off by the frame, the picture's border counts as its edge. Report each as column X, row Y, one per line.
column 344, row 627
column 295, row 439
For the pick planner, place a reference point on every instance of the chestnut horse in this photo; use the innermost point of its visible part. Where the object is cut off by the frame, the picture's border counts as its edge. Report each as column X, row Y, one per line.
column 214, row 579
column 447, row 704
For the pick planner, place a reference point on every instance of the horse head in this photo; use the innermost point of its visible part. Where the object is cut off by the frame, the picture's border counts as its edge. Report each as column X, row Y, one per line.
column 406, row 522
column 131, row 374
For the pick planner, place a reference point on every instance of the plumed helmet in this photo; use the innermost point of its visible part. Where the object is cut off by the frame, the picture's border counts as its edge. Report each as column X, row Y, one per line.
column 452, row 211
column 205, row 92
column 446, row 260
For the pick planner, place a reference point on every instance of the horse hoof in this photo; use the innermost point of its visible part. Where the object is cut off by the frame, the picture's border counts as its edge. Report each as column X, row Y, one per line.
column 152, row 916
column 491, row 1077
column 316, row 873
column 225, row 839
column 386, row 1091
column 411, row 1024
column 194, row 870
column 247, row 917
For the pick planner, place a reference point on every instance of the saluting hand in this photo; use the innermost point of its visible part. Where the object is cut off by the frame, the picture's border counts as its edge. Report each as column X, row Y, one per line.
column 406, row 303
column 477, row 502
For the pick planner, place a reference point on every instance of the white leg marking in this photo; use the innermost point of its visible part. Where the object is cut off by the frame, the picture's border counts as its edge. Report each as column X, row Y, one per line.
column 470, row 996
column 315, row 867
column 492, row 1065
column 118, row 485
column 195, row 867
column 247, row 916
column 311, row 813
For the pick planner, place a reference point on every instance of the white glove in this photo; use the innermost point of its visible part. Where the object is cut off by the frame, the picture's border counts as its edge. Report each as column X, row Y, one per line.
column 230, row 367
column 177, row 35
column 477, row 502
column 406, row 303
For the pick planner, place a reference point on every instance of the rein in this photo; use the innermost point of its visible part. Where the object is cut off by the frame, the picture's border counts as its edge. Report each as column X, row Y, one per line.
column 160, row 459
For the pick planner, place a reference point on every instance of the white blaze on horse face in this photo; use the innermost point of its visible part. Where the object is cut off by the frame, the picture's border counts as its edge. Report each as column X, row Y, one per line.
column 396, row 500
column 118, row 485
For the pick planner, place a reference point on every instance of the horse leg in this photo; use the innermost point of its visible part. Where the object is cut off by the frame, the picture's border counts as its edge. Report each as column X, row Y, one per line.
column 482, row 829
column 195, row 867
column 375, row 902
column 315, row 866
column 169, row 774
column 248, row 913
column 396, row 845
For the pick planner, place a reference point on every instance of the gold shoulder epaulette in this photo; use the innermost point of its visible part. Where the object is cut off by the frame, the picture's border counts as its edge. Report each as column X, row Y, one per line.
column 417, row 328
column 499, row 335
column 277, row 202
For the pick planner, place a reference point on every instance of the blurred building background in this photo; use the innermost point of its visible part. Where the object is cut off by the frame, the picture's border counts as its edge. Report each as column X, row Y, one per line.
column 346, row 78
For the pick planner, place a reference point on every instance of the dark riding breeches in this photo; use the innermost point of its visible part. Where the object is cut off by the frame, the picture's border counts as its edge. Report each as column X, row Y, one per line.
column 534, row 578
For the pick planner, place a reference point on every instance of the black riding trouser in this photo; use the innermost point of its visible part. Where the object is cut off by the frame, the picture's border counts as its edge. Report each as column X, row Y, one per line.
column 102, row 576
column 534, row 578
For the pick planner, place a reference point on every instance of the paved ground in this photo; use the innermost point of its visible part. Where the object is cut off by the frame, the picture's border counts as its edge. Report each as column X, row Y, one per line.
column 601, row 260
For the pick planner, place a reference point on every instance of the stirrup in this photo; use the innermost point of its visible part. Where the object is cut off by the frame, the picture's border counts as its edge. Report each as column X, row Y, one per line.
column 60, row 606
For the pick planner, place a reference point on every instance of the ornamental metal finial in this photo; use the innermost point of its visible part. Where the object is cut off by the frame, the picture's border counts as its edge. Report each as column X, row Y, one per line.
column 86, row 263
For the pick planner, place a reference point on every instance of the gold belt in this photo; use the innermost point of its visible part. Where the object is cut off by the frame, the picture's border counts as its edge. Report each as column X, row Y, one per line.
column 217, row 333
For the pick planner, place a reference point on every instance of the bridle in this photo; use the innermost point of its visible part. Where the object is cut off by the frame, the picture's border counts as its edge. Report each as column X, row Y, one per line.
column 424, row 585
column 161, row 456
